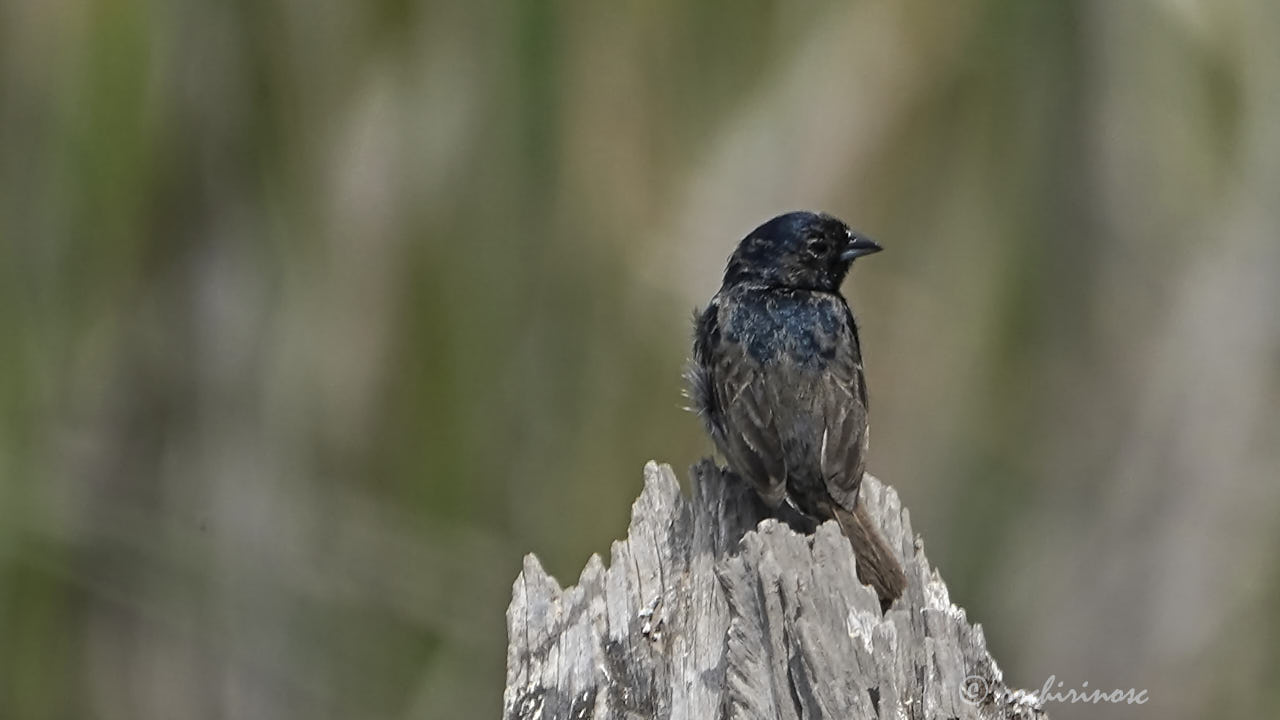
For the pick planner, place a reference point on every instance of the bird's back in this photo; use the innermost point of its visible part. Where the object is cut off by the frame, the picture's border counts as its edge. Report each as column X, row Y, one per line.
column 778, row 377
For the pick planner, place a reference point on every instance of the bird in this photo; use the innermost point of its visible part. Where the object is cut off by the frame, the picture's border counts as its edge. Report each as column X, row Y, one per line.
column 777, row 378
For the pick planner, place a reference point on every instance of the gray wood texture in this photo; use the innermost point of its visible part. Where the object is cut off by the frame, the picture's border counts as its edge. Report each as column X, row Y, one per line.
column 707, row 611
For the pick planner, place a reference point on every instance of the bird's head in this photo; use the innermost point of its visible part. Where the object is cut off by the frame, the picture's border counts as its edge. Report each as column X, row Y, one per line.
column 802, row 250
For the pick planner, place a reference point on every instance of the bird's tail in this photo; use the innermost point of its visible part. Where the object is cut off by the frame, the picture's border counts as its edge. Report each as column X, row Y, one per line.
column 876, row 563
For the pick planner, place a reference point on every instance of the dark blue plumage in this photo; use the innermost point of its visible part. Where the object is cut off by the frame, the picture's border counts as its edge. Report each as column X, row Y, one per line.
column 777, row 377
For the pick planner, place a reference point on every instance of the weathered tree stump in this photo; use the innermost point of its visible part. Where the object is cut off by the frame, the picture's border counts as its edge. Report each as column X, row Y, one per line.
column 708, row 612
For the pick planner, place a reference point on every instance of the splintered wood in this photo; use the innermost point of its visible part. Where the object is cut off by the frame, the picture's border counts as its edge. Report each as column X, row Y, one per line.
column 706, row 611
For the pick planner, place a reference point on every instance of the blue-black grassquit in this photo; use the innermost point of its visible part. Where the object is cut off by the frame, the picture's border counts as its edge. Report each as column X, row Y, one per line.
column 777, row 377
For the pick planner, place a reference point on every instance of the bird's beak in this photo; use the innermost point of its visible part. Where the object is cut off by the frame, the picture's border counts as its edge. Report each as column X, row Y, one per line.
column 858, row 246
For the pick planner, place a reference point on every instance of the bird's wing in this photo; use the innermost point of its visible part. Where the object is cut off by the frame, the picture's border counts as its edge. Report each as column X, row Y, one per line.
column 730, row 392
column 841, row 400
column 751, row 440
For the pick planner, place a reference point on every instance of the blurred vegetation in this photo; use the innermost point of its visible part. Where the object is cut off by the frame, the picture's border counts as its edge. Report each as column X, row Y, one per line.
column 318, row 316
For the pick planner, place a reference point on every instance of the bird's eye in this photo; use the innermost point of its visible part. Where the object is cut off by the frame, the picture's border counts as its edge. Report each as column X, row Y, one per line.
column 818, row 245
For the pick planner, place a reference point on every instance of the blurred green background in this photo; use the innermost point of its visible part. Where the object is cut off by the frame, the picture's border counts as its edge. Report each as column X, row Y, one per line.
column 315, row 317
